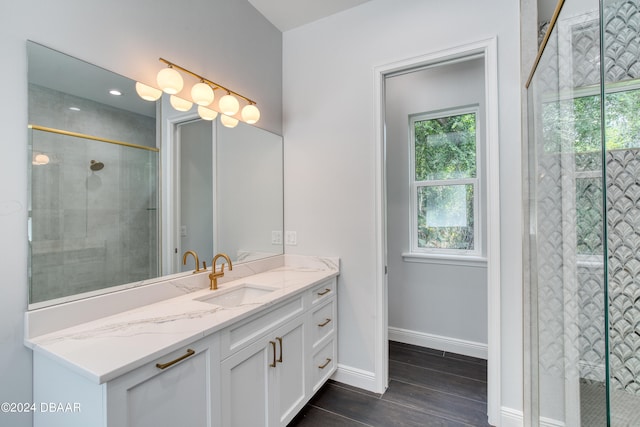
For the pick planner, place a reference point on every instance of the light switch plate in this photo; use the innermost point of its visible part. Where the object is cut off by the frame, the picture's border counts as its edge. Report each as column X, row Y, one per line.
column 291, row 238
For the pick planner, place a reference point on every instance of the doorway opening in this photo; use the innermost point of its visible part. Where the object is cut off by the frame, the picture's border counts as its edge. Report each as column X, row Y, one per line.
column 422, row 216
column 189, row 190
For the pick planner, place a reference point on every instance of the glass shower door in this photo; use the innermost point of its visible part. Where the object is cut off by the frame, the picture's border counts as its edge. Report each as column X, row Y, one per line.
column 584, row 200
column 567, row 280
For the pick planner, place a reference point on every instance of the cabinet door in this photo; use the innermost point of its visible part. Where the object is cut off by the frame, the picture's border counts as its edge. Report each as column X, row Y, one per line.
column 289, row 384
column 177, row 394
column 244, row 383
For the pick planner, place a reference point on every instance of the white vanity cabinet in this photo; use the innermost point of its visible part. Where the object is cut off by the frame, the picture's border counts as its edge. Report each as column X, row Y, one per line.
column 322, row 326
column 175, row 389
column 264, row 383
column 257, row 369
column 270, row 365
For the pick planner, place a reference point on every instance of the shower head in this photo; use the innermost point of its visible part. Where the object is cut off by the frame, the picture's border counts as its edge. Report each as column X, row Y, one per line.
column 96, row 166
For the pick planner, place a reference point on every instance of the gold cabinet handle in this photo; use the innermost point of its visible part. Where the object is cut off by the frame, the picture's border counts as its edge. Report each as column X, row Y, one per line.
column 325, row 323
column 173, row 362
column 326, row 291
column 280, row 341
column 273, row 347
column 324, row 365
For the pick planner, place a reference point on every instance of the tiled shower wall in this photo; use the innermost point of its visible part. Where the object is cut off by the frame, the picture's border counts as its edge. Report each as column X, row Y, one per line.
column 623, row 237
column 90, row 229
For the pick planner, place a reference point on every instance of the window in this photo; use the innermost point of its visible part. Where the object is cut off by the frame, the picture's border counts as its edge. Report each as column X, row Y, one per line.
column 444, row 184
column 572, row 125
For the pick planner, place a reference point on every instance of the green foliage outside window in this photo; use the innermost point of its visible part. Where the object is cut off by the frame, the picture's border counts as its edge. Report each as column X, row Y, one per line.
column 445, row 149
column 573, row 126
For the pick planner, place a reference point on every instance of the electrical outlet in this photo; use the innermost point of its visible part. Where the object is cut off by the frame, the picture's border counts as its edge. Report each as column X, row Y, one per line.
column 291, row 238
column 276, row 237
column 183, row 231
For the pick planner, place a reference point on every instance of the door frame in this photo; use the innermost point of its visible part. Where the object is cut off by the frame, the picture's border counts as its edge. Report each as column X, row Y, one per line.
column 488, row 50
column 170, row 161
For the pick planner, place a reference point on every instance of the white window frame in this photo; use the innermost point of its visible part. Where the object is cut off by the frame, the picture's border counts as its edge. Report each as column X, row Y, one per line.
column 476, row 252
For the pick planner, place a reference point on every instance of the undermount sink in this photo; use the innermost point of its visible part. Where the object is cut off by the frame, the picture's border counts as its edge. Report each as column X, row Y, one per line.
column 243, row 294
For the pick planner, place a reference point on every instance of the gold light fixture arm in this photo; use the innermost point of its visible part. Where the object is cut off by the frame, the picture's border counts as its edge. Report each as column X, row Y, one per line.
column 204, row 79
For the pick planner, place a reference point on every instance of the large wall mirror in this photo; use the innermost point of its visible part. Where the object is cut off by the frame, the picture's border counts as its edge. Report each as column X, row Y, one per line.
column 120, row 187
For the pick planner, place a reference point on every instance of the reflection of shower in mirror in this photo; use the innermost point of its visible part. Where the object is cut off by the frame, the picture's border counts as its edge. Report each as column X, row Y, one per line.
column 96, row 166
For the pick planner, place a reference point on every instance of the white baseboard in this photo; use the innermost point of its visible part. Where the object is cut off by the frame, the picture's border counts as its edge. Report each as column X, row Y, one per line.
column 511, row 417
column 548, row 422
column 514, row 418
column 453, row 345
column 355, row 377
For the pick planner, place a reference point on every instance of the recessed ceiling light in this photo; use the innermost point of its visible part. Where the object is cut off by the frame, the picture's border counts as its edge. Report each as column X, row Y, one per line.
column 74, row 109
column 115, row 92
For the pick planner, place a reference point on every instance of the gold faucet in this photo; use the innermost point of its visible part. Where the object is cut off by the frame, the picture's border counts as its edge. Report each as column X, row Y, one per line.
column 213, row 277
column 195, row 256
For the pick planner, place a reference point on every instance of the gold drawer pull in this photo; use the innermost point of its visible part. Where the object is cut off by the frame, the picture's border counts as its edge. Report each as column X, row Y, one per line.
column 280, row 341
column 325, row 323
column 326, row 291
column 325, row 364
column 273, row 347
column 173, row 362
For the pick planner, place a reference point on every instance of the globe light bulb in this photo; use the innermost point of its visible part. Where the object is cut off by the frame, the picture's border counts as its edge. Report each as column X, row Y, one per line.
column 206, row 113
column 202, row 94
column 170, row 81
column 250, row 114
column 229, row 105
column 148, row 93
column 229, row 122
column 40, row 159
column 180, row 104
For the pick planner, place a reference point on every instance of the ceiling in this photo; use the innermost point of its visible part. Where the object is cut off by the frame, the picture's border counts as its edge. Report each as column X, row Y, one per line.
column 289, row 14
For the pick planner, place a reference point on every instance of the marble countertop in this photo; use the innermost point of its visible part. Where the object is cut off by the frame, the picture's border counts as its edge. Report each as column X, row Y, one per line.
column 106, row 348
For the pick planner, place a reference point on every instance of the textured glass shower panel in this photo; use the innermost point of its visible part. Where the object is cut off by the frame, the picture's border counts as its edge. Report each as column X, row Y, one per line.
column 621, row 35
column 567, row 272
column 91, row 227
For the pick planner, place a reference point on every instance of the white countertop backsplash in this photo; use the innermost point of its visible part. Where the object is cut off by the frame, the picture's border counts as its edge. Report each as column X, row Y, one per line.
column 121, row 338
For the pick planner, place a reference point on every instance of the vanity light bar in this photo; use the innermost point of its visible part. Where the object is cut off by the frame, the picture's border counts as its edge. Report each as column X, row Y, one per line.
column 205, row 80
column 170, row 81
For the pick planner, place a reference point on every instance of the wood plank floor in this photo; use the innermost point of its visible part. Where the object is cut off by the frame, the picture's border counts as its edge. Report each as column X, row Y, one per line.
column 426, row 388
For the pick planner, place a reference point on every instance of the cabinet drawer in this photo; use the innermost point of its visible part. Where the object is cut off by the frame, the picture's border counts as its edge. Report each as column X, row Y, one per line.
column 237, row 336
column 323, row 322
column 323, row 291
column 167, row 391
column 324, row 364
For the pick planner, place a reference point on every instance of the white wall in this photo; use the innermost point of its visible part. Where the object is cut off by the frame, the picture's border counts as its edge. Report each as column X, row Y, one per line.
column 433, row 304
column 227, row 41
column 330, row 152
column 248, row 191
